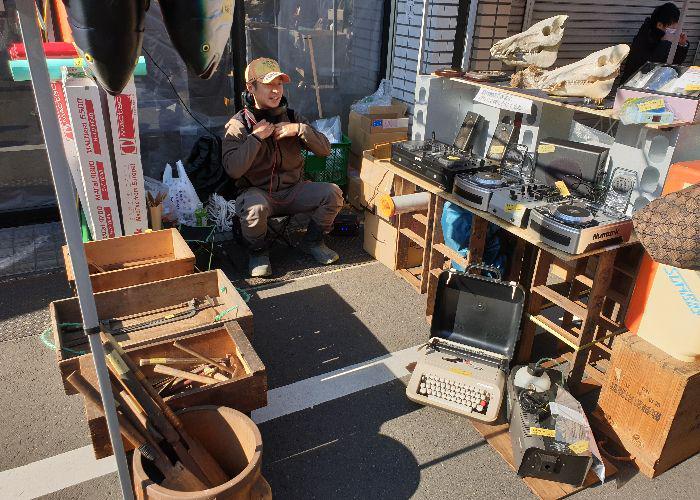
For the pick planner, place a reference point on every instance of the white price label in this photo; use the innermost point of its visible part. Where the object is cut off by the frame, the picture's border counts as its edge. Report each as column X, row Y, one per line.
column 503, row 100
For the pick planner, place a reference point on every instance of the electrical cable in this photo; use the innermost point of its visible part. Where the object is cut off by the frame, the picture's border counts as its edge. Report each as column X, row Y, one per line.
column 52, row 346
column 172, row 85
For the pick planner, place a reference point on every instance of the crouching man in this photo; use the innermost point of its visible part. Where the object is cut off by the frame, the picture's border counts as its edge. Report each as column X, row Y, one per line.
column 262, row 153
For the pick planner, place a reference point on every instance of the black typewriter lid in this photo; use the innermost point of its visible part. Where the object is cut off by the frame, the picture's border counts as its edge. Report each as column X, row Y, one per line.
column 477, row 311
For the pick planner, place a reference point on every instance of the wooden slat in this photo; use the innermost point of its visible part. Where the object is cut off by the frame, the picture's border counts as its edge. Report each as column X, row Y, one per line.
column 556, row 330
column 567, row 304
column 450, row 254
column 413, row 236
column 422, row 218
column 410, row 278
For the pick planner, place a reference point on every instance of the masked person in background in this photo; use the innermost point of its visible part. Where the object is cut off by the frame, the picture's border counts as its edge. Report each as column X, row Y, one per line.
column 262, row 153
column 654, row 39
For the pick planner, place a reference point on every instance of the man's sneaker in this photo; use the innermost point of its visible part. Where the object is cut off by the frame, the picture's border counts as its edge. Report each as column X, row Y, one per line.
column 259, row 264
column 319, row 251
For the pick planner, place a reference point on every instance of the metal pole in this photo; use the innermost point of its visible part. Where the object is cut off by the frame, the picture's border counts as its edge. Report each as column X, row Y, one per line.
column 71, row 225
column 469, row 43
column 674, row 45
column 423, row 33
column 335, row 34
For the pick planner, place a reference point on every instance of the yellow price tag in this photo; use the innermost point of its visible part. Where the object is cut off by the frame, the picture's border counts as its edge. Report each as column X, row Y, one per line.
column 453, row 158
column 514, row 207
column 498, row 149
column 539, row 431
column 693, row 87
column 579, row 447
column 563, row 190
column 649, row 105
column 546, row 148
column 466, row 373
column 78, row 62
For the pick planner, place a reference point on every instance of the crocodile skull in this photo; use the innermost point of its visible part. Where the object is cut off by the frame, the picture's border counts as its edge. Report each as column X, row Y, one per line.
column 592, row 76
column 538, row 46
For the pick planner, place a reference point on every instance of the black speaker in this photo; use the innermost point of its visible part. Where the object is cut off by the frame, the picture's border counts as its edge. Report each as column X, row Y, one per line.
column 580, row 166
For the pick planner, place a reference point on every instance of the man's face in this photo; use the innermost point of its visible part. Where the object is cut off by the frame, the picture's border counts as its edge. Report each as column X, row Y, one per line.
column 267, row 95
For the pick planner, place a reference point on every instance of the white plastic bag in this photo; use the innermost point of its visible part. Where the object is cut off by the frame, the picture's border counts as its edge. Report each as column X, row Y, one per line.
column 330, row 127
column 183, row 197
column 382, row 97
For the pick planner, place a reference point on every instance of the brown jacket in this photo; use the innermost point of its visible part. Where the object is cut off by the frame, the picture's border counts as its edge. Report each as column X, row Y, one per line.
column 269, row 163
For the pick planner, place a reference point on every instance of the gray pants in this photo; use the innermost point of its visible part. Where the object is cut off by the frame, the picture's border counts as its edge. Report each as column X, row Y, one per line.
column 321, row 200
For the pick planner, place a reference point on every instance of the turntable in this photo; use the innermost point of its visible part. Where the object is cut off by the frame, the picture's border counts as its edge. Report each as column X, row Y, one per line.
column 434, row 161
column 475, row 189
column 576, row 225
column 514, row 203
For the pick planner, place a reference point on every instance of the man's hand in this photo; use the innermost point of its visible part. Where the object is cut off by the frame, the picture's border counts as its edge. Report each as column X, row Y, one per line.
column 286, row 129
column 263, row 129
column 683, row 40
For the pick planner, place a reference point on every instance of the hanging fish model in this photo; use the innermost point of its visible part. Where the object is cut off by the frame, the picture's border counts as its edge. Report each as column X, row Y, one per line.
column 199, row 30
column 108, row 34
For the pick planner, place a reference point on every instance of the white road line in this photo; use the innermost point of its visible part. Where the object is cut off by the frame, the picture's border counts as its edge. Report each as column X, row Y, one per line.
column 327, row 387
column 77, row 466
column 54, row 473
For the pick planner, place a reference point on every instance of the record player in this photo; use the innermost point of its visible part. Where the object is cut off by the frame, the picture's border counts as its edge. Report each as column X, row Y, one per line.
column 514, row 203
column 576, row 225
column 475, row 188
column 434, row 161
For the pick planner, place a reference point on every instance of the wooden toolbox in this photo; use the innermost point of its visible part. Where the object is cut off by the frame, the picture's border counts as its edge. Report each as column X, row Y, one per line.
column 650, row 404
column 134, row 260
column 245, row 391
column 216, row 302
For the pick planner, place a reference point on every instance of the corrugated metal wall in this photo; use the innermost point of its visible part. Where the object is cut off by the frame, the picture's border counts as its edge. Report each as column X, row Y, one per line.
column 592, row 25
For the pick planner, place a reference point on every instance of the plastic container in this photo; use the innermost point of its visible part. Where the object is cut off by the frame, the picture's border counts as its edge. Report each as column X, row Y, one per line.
column 333, row 168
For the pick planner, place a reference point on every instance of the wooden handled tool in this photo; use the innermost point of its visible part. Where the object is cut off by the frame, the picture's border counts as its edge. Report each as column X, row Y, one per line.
column 175, row 475
column 128, row 379
column 223, row 368
column 169, row 361
column 174, row 372
column 203, row 458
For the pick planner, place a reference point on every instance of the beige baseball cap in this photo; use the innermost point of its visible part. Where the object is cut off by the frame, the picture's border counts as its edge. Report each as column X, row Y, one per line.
column 264, row 70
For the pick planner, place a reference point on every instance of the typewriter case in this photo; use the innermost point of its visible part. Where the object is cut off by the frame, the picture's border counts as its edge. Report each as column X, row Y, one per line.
column 478, row 311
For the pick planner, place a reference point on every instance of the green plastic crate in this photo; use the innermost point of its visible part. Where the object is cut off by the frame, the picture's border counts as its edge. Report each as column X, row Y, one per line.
column 333, row 168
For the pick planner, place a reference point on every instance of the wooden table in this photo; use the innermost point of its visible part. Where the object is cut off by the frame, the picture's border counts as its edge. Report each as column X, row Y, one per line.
column 600, row 316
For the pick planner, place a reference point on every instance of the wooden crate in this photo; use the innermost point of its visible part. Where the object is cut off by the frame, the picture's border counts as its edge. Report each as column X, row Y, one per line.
column 134, row 260
column 245, row 392
column 149, row 301
column 650, row 403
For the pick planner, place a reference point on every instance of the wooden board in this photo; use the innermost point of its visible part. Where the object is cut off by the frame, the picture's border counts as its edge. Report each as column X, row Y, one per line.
column 523, row 233
column 499, row 438
column 651, row 402
column 602, row 113
column 133, row 260
column 149, row 301
column 246, row 391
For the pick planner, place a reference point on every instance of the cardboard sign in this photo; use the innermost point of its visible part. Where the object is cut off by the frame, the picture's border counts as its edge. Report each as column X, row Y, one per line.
column 502, row 100
column 88, row 123
column 127, row 159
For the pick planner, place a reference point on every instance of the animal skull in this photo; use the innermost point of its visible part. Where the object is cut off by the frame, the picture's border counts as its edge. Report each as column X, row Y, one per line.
column 538, row 46
column 591, row 77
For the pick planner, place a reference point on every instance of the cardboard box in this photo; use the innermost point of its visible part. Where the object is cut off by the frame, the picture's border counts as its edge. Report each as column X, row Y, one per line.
column 664, row 308
column 87, row 117
column 126, row 148
column 380, row 125
column 381, row 239
column 649, row 403
column 59, row 99
column 375, row 180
